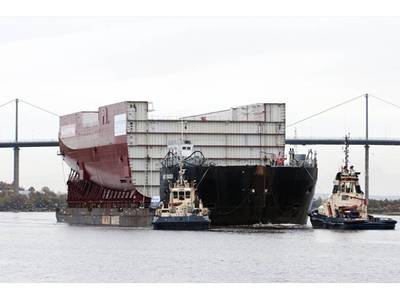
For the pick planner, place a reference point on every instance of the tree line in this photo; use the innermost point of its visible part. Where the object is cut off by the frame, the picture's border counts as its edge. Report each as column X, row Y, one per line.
column 31, row 200
column 374, row 206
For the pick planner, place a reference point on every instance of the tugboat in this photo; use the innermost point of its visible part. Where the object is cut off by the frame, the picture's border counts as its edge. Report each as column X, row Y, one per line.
column 184, row 210
column 347, row 206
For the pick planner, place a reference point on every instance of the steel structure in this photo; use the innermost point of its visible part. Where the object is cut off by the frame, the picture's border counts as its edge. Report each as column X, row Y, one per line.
column 304, row 141
column 340, row 141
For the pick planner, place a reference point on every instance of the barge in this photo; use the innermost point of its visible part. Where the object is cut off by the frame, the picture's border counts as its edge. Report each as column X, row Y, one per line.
column 117, row 159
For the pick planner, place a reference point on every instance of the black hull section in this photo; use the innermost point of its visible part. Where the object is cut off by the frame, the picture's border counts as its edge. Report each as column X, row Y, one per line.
column 323, row 222
column 181, row 223
column 246, row 195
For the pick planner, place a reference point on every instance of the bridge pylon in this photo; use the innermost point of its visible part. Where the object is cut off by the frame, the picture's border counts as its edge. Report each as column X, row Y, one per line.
column 16, row 153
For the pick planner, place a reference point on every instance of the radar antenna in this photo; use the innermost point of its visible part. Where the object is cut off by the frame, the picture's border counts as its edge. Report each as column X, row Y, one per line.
column 346, row 151
column 181, row 173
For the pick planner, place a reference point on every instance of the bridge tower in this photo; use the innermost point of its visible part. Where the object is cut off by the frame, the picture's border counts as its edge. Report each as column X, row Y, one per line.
column 366, row 150
column 16, row 152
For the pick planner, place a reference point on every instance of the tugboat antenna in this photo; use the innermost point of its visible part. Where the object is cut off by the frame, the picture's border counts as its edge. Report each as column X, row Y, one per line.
column 346, row 151
column 181, row 172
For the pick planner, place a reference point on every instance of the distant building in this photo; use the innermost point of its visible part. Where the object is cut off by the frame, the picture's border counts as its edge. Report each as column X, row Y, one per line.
column 7, row 189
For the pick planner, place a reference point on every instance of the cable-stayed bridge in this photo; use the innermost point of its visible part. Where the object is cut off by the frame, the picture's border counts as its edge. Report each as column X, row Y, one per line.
column 365, row 141
column 303, row 141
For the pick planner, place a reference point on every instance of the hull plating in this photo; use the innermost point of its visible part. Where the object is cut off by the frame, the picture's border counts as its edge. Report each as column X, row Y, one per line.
column 181, row 223
column 319, row 221
column 107, row 166
column 246, row 195
column 127, row 217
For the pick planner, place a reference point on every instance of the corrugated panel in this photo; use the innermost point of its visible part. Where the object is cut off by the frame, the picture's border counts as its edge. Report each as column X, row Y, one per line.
column 143, row 152
column 214, row 116
column 243, row 162
column 211, row 127
column 210, row 139
column 157, row 153
column 137, row 111
column 220, row 152
column 275, row 113
column 142, row 164
column 253, row 112
column 143, row 178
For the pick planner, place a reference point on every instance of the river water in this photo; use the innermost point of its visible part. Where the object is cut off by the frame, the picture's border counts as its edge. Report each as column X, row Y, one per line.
column 35, row 248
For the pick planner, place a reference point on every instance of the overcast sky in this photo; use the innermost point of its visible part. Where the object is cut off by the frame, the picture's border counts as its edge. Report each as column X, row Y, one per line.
column 190, row 65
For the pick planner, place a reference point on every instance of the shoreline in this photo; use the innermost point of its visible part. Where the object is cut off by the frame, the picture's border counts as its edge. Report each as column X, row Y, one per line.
column 396, row 213
column 372, row 211
column 19, row 211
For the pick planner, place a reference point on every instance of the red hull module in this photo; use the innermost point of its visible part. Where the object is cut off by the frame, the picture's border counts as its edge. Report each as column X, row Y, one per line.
column 86, row 194
column 95, row 146
column 106, row 165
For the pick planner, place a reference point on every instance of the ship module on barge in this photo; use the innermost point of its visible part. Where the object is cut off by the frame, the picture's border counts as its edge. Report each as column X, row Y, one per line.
column 121, row 158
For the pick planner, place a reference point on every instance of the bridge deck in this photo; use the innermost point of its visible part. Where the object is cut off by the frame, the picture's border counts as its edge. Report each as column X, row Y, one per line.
column 289, row 141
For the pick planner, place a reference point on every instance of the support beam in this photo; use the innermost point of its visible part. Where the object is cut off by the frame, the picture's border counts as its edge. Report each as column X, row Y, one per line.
column 30, row 144
column 288, row 141
column 340, row 141
column 366, row 150
column 16, row 152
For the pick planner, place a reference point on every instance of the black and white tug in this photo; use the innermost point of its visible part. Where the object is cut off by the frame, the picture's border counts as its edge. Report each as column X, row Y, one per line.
column 184, row 210
column 346, row 208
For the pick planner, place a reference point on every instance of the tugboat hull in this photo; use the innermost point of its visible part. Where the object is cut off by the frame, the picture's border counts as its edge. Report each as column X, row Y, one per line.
column 319, row 221
column 181, row 223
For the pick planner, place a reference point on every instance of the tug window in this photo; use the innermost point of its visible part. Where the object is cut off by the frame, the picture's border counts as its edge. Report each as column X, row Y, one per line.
column 349, row 188
column 181, row 195
column 187, row 194
column 175, row 195
column 345, row 197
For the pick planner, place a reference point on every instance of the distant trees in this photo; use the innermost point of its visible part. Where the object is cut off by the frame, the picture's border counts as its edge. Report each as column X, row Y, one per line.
column 374, row 206
column 384, row 206
column 30, row 200
column 316, row 203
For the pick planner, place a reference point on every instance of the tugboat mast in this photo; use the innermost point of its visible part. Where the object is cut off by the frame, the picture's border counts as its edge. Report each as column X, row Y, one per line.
column 346, row 152
column 181, row 173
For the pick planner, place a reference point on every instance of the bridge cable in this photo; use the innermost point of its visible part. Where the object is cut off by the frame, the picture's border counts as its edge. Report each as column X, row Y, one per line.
column 325, row 110
column 4, row 104
column 386, row 101
column 40, row 108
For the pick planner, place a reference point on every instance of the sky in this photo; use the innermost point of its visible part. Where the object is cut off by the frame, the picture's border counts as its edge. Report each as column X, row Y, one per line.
column 188, row 65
